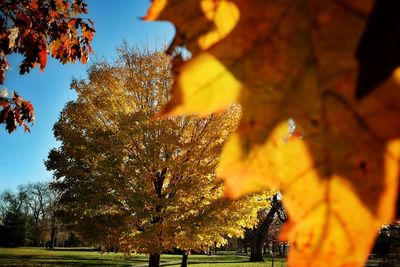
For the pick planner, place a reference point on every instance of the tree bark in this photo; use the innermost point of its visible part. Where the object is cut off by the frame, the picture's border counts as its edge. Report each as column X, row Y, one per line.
column 154, row 260
column 53, row 236
column 256, row 246
column 280, row 248
column 184, row 259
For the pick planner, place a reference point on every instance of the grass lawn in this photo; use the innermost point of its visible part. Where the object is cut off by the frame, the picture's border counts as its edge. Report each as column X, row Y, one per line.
column 42, row 257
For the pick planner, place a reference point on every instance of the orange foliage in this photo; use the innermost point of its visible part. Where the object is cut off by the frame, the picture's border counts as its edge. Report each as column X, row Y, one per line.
column 36, row 29
column 294, row 60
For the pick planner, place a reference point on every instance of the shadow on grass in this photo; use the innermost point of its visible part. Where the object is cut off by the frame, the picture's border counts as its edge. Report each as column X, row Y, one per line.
column 217, row 262
column 65, row 260
column 62, row 264
column 73, row 249
column 59, row 264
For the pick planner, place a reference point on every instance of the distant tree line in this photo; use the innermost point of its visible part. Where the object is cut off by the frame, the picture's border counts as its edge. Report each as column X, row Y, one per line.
column 28, row 218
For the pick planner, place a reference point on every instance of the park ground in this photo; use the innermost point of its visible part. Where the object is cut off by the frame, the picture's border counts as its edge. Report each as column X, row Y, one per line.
column 74, row 257
column 30, row 256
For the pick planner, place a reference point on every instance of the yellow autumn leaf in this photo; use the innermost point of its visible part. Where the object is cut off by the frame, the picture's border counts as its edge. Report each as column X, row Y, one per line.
column 337, row 161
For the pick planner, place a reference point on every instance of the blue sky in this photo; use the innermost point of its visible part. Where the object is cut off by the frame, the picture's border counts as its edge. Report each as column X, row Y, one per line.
column 22, row 154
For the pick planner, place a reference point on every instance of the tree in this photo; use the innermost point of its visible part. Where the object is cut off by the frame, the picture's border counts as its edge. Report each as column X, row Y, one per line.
column 35, row 29
column 135, row 176
column 39, row 200
column 220, row 219
column 388, row 241
column 27, row 216
column 318, row 84
column 14, row 227
column 258, row 235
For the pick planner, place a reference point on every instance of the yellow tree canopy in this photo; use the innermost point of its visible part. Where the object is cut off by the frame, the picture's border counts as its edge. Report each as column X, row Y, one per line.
column 154, row 179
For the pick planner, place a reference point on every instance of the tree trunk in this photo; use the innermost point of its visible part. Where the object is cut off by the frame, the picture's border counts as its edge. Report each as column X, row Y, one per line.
column 53, row 236
column 154, row 260
column 273, row 254
column 280, row 247
column 256, row 246
column 265, row 249
column 184, row 259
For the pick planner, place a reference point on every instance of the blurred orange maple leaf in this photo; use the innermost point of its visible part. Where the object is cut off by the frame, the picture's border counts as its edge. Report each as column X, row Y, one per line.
column 337, row 161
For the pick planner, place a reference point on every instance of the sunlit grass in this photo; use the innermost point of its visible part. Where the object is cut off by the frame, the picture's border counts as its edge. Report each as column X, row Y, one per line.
column 28, row 256
column 46, row 257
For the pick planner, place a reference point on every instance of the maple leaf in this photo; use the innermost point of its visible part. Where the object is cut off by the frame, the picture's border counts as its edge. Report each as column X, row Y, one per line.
column 294, row 60
column 42, row 55
column 4, row 114
column 26, row 128
column 4, row 92
column 34, row 4
column 35, row 29
column 12, row 37
column 15, row 110
column 378, row 52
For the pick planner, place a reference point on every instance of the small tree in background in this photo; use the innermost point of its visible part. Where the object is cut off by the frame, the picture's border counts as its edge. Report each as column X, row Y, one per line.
column 14, row 227
column 39, row 201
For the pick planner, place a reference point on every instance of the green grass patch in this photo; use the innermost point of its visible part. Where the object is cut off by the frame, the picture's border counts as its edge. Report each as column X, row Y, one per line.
column 42, row 257
column 28, row 256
